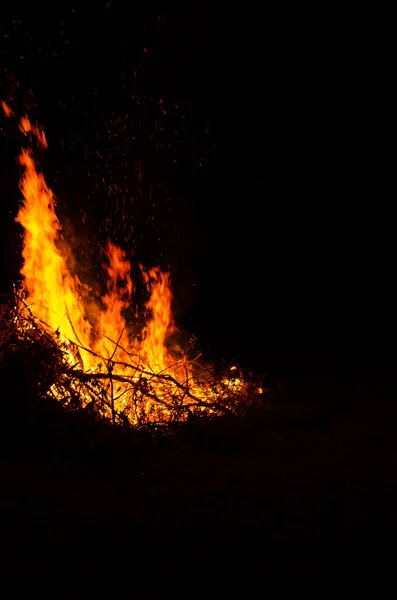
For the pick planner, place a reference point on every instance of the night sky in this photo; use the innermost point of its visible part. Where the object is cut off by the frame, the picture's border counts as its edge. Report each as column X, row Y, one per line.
column 246, row 152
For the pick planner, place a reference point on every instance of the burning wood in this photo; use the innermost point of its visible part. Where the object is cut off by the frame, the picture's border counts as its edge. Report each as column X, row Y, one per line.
column 94, row 358
column 123, row 391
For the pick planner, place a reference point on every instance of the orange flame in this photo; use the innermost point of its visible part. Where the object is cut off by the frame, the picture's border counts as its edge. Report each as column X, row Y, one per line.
column 52, row 291
column 26, row 127
column 161, row 323
column 111, row 324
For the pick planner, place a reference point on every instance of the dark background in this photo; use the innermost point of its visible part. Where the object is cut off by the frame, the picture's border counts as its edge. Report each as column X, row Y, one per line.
column 265, row 185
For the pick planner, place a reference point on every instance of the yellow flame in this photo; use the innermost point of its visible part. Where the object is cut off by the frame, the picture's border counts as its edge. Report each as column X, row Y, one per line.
column 111, row 323
column 52, row 291
column 161, row 323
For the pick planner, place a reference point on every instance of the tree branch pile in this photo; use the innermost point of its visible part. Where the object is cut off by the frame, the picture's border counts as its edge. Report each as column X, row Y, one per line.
column 129, row 393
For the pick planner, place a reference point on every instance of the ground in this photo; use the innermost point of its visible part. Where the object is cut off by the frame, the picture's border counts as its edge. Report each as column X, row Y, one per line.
column 282, row 494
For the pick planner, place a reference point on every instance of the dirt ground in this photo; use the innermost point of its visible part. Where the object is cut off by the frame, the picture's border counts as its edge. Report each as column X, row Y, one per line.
column 283, row 495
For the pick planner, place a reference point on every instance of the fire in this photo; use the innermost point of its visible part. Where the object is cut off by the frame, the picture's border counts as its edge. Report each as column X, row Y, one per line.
column 161, row 324
column 26, row 127
column 51, row 290
column 132, row 374
column 7, row 110
column 111, row 325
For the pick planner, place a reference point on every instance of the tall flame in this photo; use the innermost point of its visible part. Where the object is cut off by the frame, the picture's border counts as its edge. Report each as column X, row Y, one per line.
column 52, row 290
column 161, row 323
column 112, row 325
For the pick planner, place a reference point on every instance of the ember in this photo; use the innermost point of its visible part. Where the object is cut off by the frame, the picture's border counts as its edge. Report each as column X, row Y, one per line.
column 94, row 357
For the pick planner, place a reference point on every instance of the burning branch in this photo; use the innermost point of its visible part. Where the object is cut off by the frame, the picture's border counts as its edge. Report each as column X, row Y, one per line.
column 118, row 390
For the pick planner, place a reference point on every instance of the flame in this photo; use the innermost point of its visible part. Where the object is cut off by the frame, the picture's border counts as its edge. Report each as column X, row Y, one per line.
column 7, row 110
column 137, row 374
column 26, row 127
column 51, row 290
column 161, row 323
column 112, row 326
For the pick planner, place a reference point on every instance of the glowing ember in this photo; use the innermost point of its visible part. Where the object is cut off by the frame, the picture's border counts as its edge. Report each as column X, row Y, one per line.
column 7, row 110
column 104, row 360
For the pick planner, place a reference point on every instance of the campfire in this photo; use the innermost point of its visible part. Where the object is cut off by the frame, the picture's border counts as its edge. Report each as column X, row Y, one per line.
column 87, row 354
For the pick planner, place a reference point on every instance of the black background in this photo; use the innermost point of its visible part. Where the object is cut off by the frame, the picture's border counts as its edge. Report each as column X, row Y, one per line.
column 273, row 204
